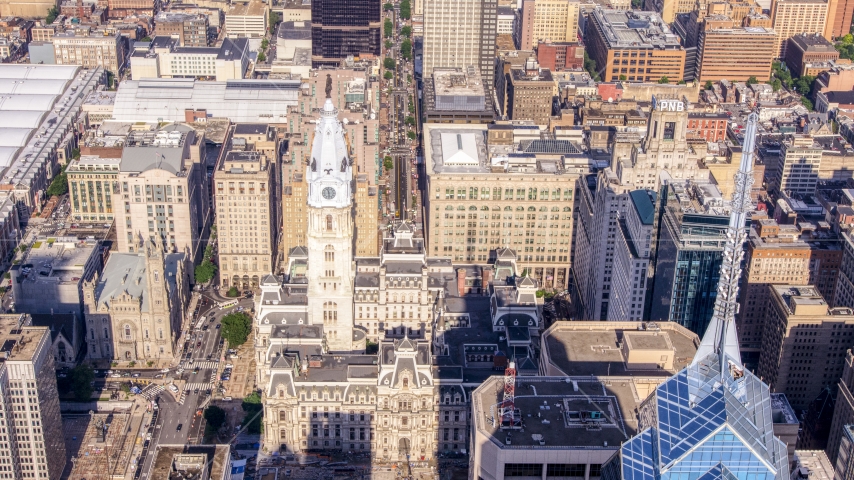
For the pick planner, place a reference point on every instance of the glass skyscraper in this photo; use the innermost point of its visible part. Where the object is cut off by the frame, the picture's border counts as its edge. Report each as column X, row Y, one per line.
column 344, row 27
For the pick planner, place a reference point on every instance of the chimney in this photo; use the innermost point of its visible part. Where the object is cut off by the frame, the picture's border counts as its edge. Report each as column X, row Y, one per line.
column 487, row 279
column 461, row 281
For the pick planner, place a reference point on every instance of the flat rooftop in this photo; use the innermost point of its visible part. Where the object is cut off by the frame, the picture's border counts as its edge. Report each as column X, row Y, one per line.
column 217, row 458
column 82, row 442
column 100, row 97
column 634, row 29
column 56, row 259
column 253, row 8
column 574, row 413
column 455, row 81
column 595, row 348
column 18, row 343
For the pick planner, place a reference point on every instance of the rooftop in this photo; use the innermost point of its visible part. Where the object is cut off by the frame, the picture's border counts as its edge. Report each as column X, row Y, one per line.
column 812, row 43
column 216, row 459
column 250, row 8
column 55, row 259
column 19, row 342
column 300, row 30
column 635, row 29
column 100, row 97
column 802, row 299
column 599, row 348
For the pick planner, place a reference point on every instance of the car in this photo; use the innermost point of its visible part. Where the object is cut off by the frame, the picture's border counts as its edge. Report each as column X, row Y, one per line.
column 159, row 375
column 205, row 328
column 173, row 388
column 146, row 444
column 196, row 370
column 180, row 426
column 165, row 370
column 217, row 326
column 199, row 343
column 228, row 365
column 116, row 375
column 135, row 375
column 126, row 374
column 148, row 436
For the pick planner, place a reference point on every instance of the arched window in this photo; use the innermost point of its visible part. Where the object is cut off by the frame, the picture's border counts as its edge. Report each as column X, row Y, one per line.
column 127, row 332
column 329, row 223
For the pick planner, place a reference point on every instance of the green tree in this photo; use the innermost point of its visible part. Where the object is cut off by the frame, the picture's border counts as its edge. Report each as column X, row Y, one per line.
column 215, row 417
column 145, row 39
column 388, row 75
column 623, row 78
column 590, row 66
column 59, row 185
column 388, row 44
column 388, row 163
column 388, row 7
column 232, row 292
column 709, row 85
column 75, row 153
column 273, row 20
column 411, row 135
column 406, row 49
column 388, row 63
column 371, row 348
column 409, row 121
column 847, row 39
column 205, row 271
column 663, row 80
column 406, row 31
column 264, row 44
column 776, row 84
column 752, row 80
column 807, row 103
column 405, row 10
column 261, row 57
column 51, row 15
column 236, row 328
column 81, row 382
column 388, row 28
column 804, row 84
column 254, row 413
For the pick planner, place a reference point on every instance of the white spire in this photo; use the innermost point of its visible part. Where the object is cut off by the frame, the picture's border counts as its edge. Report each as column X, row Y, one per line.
column 329, row 170
column 721, row 337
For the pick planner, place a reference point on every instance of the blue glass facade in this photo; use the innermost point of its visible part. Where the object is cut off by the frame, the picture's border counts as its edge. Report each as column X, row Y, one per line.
column 706, row 422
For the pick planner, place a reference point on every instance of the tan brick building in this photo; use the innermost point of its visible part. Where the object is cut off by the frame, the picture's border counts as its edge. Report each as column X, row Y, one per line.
column 547, row 20
column 792, row 17
column 800, row 351
column 529, row 94
column 721, row 53
column 245, row 180
column 90, row 50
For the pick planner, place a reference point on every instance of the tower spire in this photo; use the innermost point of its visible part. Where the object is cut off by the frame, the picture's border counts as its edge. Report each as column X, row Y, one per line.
column 721, row 337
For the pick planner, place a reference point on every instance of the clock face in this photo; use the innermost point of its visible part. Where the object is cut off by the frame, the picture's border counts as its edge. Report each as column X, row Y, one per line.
column 328, row 193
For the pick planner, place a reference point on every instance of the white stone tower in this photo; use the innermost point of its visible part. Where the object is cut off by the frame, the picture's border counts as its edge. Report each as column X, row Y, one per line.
column 330, row 231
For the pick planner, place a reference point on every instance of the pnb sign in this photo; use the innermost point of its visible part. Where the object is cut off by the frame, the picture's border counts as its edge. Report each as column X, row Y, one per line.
column 668, row 105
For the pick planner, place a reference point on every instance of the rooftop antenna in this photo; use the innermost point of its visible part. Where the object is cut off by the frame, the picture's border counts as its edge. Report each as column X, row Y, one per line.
column 721, row 337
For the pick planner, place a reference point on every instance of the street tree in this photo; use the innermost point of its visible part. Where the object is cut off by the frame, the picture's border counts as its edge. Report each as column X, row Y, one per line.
column 236, row 328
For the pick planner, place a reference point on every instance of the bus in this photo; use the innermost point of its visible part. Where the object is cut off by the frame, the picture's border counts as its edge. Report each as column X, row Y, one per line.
column 227, row 304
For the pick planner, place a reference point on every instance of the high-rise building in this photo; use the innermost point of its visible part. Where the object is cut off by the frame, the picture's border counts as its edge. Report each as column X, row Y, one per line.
column 669, row 9
column 799, row 349
column 803, row 50
column 245, row 184
column 792, row 17
column 800, row 160
column 689, row 252
column 719, row 50
column 519, row 202
column 190, row 30
column 340, row 28
column 845, row 283
column 529, row 93
column 631, row 257
column 90, row 49
column 459, row 33
column 839, row 15
column 844, row 466
column 247, row 19
column 294, row 214
column 633, row 45
column 33, row 445
column 163, row 190
column 775, row 255
column 547, row 20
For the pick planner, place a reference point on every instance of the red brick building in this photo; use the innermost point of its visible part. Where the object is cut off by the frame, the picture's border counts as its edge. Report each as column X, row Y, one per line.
column 709, row 126
column 560, row 56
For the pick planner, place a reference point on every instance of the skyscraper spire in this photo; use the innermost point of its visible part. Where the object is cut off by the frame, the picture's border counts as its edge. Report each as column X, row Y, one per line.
column 721, row 336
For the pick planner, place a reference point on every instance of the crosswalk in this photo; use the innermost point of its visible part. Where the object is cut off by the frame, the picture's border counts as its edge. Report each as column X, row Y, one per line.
column 201, row 365
column 197, row 386
column 152, row 391
column 182, row 397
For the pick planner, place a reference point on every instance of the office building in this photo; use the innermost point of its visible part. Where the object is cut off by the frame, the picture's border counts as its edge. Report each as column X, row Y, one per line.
column 34, row 446
column 190, row 30
column 164, row 58
column 90, row 49
column 691, row 235
column 547, row 21
column 91, row 184
column 247, row 19
column 845, row 284
column 341, row 28
column 775, row 254
column 844, row 466
column 631, row 258
column 294, row 213
column 49, row 277
column 163, row 190
column 456, row 95
column 803, row 50
column 839, row 16
column 559, row 56
column 800, row 355
column 245, row 181
column 721, row 54
column 792, row 17
column 669, row 9
column 529, row 93
column 294, row 10
column 634, row 46
column 135, row 309
column 800, row 159
column 525, row 207
column 505, row 20
column 458, row 34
